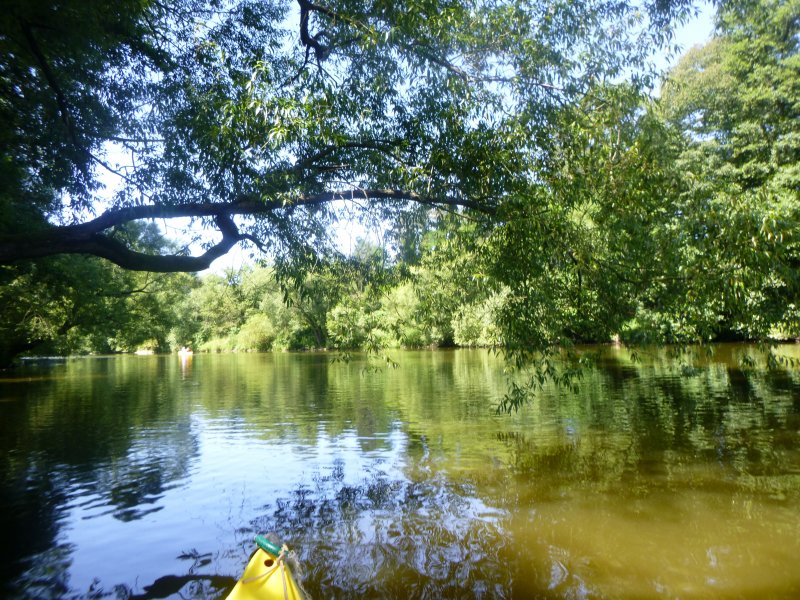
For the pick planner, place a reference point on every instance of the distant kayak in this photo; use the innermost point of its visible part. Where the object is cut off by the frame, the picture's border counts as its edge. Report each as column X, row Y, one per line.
column 267, row 576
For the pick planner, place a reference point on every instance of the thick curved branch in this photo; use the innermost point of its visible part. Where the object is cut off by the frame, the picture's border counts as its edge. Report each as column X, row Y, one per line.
column 118, row 253
column 321, row 51
column 79, row 239
column 91, row 237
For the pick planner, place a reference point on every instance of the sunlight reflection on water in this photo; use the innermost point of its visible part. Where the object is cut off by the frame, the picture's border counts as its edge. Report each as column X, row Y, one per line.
column 121, row 473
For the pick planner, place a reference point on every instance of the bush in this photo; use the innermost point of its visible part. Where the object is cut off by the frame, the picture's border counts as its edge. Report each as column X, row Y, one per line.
column 475, row 324
column 257, row 333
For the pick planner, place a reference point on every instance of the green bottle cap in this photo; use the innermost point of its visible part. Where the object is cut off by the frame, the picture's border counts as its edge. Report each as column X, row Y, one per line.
column 268, row 546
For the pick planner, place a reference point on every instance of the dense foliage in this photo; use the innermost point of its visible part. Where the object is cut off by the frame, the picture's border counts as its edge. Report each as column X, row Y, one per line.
column 79, row 304
column 274, row 109
column 534, row 194
column 737, row 102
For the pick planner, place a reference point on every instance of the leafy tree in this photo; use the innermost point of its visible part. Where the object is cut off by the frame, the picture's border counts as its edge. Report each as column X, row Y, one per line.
column 403, row 318
column 356, row 319
column 308, row 303
column 477, row 324
column 580, row 248
column 736, row 100
column 83, row 304
column 449, row 276
column 250, row 309
column 557, row 198
column 217, row 305
column 277, row 110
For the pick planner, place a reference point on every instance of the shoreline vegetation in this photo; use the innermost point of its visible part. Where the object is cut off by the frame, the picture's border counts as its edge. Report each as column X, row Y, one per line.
column 707, row 348
column 371, row 304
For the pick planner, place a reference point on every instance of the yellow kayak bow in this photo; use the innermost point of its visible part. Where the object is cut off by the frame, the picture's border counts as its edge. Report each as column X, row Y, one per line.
column 267, row 576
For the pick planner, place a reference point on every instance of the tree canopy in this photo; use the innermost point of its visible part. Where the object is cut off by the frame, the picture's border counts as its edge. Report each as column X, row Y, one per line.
column 736, row 102
column 273, row 110
column 535, row 191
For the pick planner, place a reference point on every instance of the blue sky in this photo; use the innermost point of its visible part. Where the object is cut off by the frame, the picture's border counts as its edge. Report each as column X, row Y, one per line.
column 697, row 31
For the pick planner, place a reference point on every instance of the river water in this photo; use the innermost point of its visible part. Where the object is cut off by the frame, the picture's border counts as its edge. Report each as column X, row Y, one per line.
column 147, row 477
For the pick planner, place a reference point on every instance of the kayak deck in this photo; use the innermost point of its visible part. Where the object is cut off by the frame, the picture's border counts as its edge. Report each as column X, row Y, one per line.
column 266, row 577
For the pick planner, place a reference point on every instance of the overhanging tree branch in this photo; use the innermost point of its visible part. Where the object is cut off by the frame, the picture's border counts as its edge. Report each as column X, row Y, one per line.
column 93, row 238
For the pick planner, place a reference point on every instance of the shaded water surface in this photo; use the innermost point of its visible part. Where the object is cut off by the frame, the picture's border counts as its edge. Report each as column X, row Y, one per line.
column 146, row 477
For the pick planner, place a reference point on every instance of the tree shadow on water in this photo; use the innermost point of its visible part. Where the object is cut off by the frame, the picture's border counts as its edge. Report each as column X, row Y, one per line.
column 389, row 538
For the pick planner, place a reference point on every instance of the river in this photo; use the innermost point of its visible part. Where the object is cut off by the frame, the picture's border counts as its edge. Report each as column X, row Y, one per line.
column 148, row 476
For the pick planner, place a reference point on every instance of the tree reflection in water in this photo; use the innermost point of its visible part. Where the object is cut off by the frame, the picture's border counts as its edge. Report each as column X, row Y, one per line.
column 431, row 538
column 657, row 479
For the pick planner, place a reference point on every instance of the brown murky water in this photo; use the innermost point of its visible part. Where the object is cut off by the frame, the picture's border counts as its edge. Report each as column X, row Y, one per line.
column 148, row 476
